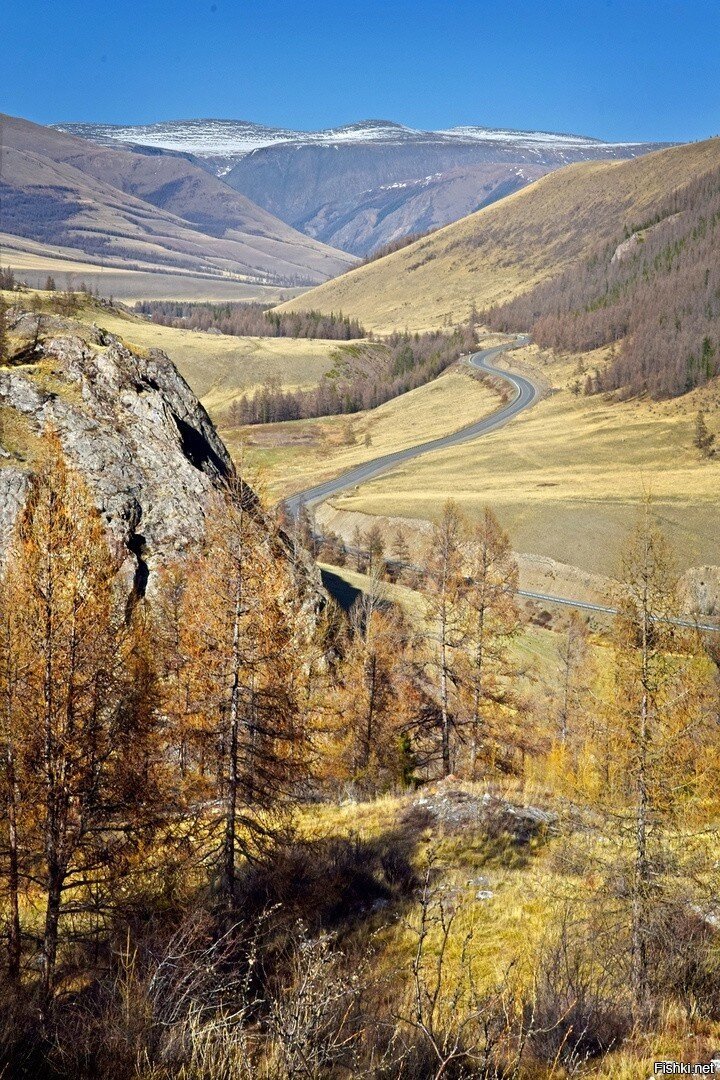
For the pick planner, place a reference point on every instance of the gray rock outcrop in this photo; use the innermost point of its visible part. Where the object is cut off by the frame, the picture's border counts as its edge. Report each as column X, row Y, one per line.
column 128, row 422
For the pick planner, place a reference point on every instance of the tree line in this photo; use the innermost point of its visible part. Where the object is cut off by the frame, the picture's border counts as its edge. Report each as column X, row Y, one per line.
column 160, row 915
column 407, row 361
column 656, row 293
column 250, row 320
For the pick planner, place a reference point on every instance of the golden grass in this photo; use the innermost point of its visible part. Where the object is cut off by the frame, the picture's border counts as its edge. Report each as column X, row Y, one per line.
column 567, row 477
column 17, row 438
column 301, row 453
column 508, row 925
column 33, row 261
column 218, row 367
column 506, row 248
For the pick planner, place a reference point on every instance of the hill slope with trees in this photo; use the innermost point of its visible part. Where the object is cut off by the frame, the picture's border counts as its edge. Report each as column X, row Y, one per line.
column 656, row 293
column 510, row 247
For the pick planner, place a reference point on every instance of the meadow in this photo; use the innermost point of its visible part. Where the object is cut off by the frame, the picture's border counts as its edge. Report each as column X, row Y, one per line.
column 70, row 268
column 567, row 476
column 297, row 454
column 219, row 367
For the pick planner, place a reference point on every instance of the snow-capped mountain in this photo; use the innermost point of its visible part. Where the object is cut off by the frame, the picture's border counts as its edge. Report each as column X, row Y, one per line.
column 222, row 140
column 365, row 192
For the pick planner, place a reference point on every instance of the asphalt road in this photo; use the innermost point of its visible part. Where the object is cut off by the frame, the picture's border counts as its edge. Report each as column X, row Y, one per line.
column 526, row 393
column 585, row 605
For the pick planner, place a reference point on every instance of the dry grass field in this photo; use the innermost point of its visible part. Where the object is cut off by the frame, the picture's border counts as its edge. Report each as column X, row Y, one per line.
column 219, row 367
column 294, row 455
column 508, row 247
column 566, row 477
column 33, row 262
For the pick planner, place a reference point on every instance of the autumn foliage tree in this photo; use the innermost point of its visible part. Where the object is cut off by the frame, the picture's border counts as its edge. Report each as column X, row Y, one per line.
column 374, row 696
column 492, row 620
column 446, row 630
column 78, row 738
column 654, row 290
column 241, row 643
column 644, row 760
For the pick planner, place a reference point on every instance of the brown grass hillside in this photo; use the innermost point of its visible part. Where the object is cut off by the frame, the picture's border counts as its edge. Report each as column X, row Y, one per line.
column 136, row 211
column 509, row 247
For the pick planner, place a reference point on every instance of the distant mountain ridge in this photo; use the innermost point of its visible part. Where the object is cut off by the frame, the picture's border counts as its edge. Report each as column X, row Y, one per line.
column 221, row 140
column 148, row 209
column 341, row 198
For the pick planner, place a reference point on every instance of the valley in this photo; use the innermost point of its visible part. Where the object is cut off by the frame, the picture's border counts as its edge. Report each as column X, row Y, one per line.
column 567, row 477
column 359, row 696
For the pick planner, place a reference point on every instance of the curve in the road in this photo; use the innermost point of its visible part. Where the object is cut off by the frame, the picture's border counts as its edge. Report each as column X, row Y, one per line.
column 526, row 393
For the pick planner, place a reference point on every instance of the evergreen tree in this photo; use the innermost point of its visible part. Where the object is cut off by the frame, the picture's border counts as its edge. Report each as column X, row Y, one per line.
column 703, row 439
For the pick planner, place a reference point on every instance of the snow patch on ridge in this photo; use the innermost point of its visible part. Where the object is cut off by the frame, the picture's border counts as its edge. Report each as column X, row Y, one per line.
column 238, row 138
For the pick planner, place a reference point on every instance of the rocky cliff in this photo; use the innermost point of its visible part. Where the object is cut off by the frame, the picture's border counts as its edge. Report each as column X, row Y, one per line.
column 128, row 422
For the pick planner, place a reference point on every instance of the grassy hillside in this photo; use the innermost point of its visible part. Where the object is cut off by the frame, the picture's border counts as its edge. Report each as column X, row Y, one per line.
column 70, row 267
column 566, row 477
column 152, row 211
column 219, row 367
column 505, row 249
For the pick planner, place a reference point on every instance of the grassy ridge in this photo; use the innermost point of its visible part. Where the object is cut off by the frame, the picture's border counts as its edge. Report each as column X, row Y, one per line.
column 505, row 249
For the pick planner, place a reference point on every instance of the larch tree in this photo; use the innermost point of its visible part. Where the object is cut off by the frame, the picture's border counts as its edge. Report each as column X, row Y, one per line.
column 400, row 549
column 14, row 670
column 80, row 735
column 446, row 631
column 703, row 438
column 243, row 641
column 373, row 697
column 646, row 760
column 492, row 621
column 574, row 657
column 358, row 545
column 375, row 546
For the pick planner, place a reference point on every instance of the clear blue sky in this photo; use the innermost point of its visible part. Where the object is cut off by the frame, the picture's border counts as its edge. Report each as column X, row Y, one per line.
column 612, row 68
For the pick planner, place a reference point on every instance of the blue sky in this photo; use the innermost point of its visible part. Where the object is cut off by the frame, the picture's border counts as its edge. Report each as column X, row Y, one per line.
column 619, row 69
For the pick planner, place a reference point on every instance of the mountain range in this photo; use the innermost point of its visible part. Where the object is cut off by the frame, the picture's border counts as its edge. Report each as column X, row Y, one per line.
column 367, row 184
column 146, row 209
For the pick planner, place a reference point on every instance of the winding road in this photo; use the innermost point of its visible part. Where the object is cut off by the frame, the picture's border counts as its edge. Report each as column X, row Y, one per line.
column 526, row 393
